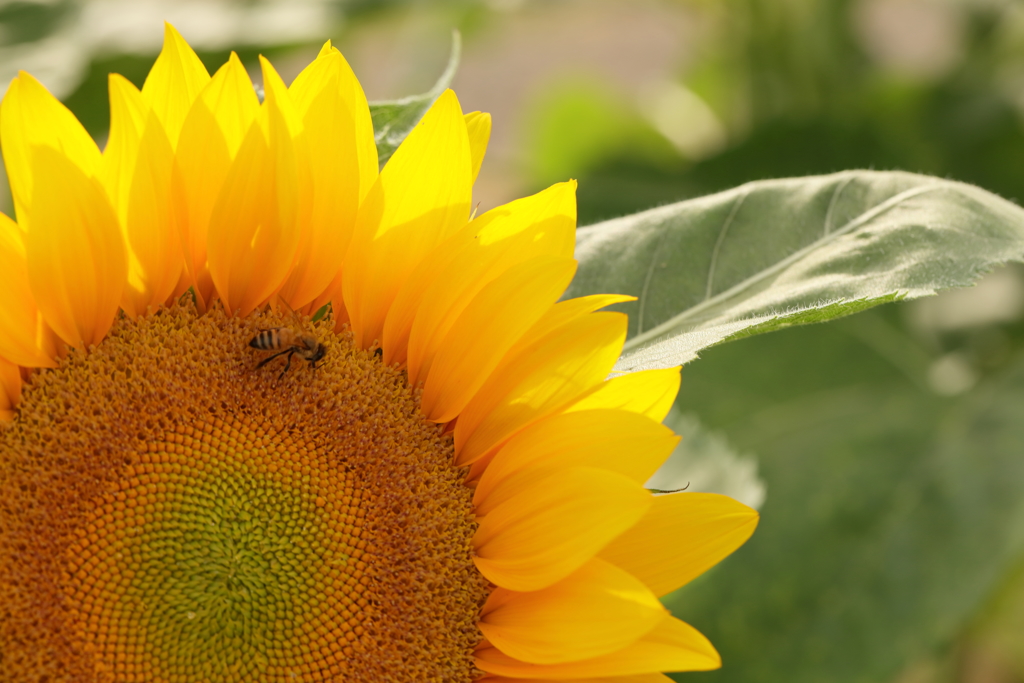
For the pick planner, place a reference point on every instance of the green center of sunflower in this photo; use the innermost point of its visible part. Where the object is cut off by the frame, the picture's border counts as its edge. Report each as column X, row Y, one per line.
column 224, row 551
column 175, row 514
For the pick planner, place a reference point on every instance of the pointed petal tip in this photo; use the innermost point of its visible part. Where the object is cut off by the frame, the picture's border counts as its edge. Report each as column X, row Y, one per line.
column 449, row 98
column 171, row 33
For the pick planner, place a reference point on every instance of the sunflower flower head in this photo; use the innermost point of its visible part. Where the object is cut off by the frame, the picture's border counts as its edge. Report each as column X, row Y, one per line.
column 438, row 481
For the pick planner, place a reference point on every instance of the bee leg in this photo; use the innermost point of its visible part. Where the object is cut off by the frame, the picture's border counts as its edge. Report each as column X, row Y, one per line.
column 290, row 352
column 271, row 357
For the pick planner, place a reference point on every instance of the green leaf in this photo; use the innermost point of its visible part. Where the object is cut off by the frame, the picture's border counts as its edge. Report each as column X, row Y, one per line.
column 777, row 253
column 394, row 119
column 894, row 515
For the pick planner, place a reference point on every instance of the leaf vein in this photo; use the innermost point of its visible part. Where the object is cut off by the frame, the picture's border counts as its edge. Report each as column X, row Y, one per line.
column 718, row 244
column 647, row 283
column 851, row 225
column 832, row 204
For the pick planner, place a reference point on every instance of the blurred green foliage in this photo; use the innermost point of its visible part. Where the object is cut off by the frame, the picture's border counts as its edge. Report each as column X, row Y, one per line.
column 799, row 96
column 578, row 124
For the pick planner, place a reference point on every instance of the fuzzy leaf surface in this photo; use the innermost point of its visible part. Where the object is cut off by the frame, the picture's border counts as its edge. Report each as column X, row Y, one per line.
column 777, row 253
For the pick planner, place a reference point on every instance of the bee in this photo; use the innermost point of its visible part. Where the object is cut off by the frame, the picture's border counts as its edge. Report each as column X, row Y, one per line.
column 287, row 341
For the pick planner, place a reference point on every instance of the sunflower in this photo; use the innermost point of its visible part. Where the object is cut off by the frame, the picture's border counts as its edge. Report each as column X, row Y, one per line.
column 454, row 492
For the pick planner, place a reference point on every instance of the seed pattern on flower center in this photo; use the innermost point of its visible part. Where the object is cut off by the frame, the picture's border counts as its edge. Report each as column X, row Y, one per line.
column 225, row 551
column 171, row 513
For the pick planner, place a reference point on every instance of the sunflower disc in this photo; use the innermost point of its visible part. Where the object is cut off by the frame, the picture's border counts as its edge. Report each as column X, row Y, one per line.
column 172, row 514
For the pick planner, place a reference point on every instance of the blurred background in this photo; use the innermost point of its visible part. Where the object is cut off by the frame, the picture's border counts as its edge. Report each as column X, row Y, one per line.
column 885, row 450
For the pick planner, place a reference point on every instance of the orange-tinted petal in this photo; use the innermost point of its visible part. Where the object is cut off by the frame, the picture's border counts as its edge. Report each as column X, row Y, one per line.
column 330, row 69
column 651, row 392
column 420, row 199
column 25, row 338
column 152, row 235
column 672, row 645
column 254, row 232
column 30, row 117
column 447, row 280
column 596, row 610
column 74, row 250
column 681, row 537
column 137, row 169
column 564, row 312
column 350, row 92
column 322, row 100
column 503, row 311
column 456, row 270
column 538, row 381
column 10, row 389
column 637, row 678
column 276, row 92
column 478, row 125
column 174, row 82
column 549, row 527
column 128, row 114
column 630, row 444
column 210, row 139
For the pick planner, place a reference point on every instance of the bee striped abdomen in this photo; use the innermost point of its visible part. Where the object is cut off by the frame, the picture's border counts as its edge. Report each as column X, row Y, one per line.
column 267, row 340
column 288, row 342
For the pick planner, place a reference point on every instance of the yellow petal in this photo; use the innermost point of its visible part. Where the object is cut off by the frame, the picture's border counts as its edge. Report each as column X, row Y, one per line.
column 539, row 381
column 478, row 125
column 330, row 67
column 277, row 95
column 74, row 250
column 630, row 444
column 174, row 82
column 550, row 527
column 559, row 316
column 548, row 216
column 681, row 537
column 141, row 190
column 350, row 92
column 276, row 91
column 412, row 300
column 210, row 139
column 596, row 610
column 651, row 392
column 30, row 117
column 450, row 277
column 10, row 389
column 321, row 94
column 128, row 114
column 230, row 99
column 326, row 48
column 25, row 338
column 563, row 313
column 672, row 645
column 254, row 231
column 503, row 311
column 637, row 678
column 420, row 199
